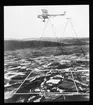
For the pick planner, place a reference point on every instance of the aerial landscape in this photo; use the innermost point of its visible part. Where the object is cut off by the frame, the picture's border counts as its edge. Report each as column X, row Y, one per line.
column 41, row 66
column 49, row 71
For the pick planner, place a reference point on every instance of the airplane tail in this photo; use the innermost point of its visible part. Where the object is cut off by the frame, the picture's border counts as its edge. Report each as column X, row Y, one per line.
column 63, row 13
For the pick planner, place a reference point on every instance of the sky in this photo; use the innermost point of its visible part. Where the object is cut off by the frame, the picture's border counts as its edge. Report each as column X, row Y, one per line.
column 21, row 22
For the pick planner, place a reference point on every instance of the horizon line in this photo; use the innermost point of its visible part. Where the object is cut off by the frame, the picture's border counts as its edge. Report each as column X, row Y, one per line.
column 40, row 38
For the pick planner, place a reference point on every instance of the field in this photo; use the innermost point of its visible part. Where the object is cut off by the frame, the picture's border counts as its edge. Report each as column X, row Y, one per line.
column 56, row 72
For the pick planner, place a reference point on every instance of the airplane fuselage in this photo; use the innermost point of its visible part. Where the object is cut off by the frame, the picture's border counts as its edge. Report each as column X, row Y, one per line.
column 45, row 15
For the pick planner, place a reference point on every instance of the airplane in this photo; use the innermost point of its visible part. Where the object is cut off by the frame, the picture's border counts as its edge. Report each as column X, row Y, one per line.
column 45, row 14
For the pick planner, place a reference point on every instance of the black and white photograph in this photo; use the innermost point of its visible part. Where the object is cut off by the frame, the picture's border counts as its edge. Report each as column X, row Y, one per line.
column 46, row 53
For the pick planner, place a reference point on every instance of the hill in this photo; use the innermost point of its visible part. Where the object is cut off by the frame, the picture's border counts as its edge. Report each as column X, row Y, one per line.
column 22, row 44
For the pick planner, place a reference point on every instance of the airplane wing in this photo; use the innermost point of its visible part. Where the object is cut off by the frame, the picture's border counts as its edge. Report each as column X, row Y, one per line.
column 40, row 16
